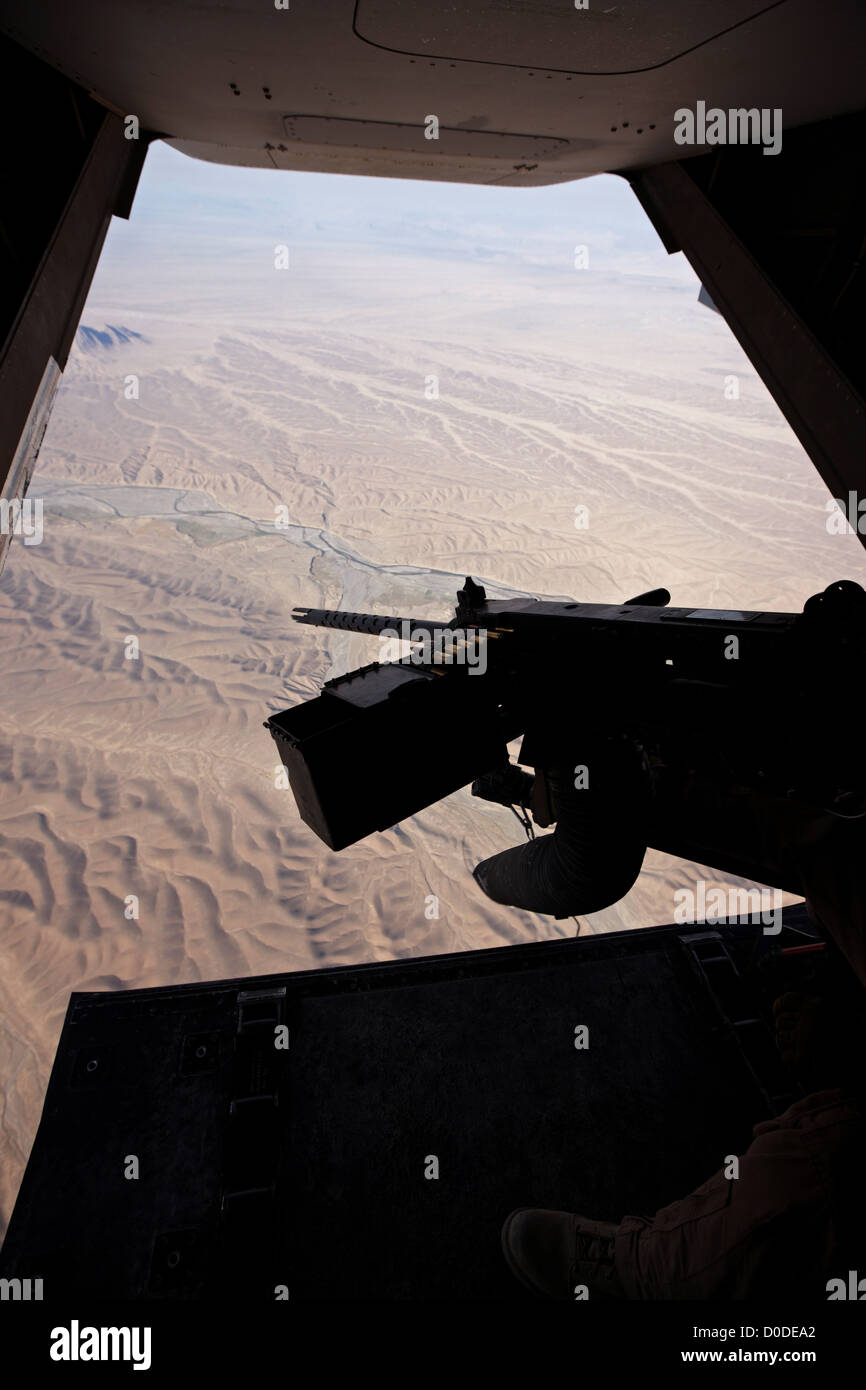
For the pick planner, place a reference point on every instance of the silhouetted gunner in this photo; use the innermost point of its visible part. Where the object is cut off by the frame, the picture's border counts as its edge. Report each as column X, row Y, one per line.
column 600, row 801
column 794, row 1214
column 611, row 800
column 709, row 735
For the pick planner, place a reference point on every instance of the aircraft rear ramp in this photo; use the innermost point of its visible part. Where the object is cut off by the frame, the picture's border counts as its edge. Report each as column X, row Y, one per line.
column 312, row 1168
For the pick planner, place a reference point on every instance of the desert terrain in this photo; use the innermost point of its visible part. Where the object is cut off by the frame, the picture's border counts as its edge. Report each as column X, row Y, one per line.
column 237, row 389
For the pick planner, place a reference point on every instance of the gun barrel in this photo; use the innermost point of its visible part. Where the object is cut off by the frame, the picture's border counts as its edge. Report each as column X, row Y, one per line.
column 372, row 623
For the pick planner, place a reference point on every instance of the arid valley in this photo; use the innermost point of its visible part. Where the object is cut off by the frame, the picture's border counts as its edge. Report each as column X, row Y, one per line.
column 360, row 429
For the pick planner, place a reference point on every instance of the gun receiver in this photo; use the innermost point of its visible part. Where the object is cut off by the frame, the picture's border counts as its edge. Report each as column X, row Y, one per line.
column 770, row 700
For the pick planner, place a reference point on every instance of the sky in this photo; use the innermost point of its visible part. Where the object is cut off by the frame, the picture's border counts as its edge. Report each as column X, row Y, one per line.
column 203, row 208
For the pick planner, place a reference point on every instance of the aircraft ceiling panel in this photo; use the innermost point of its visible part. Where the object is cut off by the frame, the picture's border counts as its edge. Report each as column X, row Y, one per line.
column 631, row 36
column 345, row 133
column 349, row 134
column 242, row 82
column 425, row 162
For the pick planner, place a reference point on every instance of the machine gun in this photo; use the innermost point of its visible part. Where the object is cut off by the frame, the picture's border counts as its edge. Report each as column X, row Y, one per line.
column 771, row 701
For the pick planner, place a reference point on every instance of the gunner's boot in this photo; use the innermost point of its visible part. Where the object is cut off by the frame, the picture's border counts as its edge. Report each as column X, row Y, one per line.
column 554, row 1253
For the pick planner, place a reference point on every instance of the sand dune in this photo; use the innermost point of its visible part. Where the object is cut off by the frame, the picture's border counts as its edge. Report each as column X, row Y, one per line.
column 149, row 783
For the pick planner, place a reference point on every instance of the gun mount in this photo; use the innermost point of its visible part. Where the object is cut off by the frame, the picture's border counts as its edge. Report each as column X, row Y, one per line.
column 761, row 697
